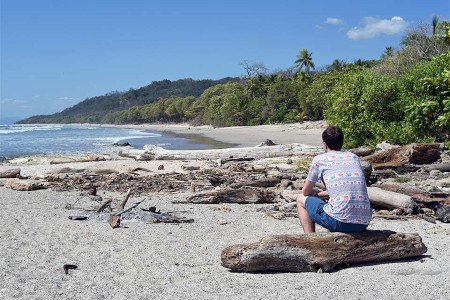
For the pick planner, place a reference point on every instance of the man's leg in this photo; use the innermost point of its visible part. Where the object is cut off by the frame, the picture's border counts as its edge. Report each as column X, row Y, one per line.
column 307, row 224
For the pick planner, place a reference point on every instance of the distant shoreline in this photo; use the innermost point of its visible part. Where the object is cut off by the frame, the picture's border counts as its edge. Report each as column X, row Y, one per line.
column 308, row 133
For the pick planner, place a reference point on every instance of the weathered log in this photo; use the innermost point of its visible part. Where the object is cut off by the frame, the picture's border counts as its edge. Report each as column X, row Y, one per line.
column 86, row 158
column 417, row 194
column 412, row 154
column 24, row 185
column 401, row 188
column 390, row 199
column 232, row 159
column 443, row 167
column 363, row 151
column 311, row 252
column 152, row 152
column 244, row 195
column 265, row 182
column 10, row 173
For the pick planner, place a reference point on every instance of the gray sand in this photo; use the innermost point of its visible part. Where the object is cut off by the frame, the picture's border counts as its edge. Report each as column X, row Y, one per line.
column 166, row 261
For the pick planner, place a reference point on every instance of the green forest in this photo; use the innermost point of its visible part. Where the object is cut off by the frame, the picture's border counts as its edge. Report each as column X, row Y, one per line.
column 403, row 97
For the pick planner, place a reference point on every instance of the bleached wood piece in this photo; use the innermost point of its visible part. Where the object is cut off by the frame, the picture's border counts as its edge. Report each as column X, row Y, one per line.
column 390, row 199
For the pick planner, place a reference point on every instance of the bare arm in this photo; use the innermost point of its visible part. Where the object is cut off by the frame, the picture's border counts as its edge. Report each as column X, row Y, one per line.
column 308, row 188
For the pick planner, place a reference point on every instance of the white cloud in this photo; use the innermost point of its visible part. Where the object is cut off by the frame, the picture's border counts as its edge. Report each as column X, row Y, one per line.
column 66, row 99
column 11, row 101
column 334, row 21
column 374, row 27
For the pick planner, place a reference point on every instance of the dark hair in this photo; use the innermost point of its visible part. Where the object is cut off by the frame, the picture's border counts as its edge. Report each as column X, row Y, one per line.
column 333, row 137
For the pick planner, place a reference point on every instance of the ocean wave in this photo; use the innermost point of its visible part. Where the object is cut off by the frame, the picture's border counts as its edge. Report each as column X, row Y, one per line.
column 18, row 129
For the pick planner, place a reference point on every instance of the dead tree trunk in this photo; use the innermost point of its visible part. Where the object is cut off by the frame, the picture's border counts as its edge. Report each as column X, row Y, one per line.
column 311, row 252
column 390, row 199
column 152, row 152
column 413, row 154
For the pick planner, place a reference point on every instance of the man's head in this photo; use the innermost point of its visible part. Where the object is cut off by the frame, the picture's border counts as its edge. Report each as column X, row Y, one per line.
column 333, row 137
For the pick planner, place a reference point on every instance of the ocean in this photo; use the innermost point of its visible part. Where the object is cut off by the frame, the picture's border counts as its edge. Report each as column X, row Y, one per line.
column 22, row 140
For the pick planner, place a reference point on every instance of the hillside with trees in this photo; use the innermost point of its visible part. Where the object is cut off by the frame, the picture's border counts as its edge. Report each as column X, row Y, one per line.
column 93, row 110
column 402, row 97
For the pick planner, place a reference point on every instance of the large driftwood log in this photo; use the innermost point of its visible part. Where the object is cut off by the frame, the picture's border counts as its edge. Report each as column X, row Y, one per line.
column 390, row 199
column 418, row 154
column 152, row 152
column 9, row 173
column 311, row 252
column 244, row 195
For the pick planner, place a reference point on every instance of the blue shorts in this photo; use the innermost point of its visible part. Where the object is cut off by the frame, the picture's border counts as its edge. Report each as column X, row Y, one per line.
column 314, row 207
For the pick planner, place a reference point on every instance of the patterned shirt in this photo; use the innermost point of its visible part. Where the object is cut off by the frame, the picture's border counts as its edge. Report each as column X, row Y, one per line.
column 344, row 179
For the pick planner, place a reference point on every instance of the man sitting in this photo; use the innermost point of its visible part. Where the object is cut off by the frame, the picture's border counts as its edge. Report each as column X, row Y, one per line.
column 348, row 207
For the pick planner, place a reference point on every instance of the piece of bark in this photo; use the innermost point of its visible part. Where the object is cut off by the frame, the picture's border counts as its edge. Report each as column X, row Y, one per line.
column 265, row 182
column 363, row 151
column 244, row 195
column 114, row 221
column 10, row 173
column 410, row 154
column 311, row 252
column 443, row 167
column 24, row 185
column 390, row 199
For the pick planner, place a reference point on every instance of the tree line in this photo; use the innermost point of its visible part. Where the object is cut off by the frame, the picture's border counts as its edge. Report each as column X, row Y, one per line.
column 402, row 97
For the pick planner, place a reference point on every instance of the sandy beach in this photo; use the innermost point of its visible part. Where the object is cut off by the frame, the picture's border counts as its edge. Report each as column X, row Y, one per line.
column 308, row 133
column 182, row 261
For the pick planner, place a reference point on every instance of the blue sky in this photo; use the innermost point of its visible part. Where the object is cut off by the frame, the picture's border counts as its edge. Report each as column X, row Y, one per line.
column 55, row 54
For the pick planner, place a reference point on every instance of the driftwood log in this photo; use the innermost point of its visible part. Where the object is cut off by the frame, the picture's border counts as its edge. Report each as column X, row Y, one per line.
column 24, row 185
column 152, row 152
column 390, row 199
column 243, row 195
column 417, row 194
column 10, row 173
column 418, row 154
column 311, row 252
column 443, row 167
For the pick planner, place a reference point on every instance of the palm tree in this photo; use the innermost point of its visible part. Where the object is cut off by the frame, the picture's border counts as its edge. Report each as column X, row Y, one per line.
column 388, row 52
column 337, row 65
column 304, row 60
column 435, row 24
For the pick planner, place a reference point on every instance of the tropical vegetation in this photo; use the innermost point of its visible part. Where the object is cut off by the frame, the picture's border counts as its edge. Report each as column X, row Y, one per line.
column 402, row 97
